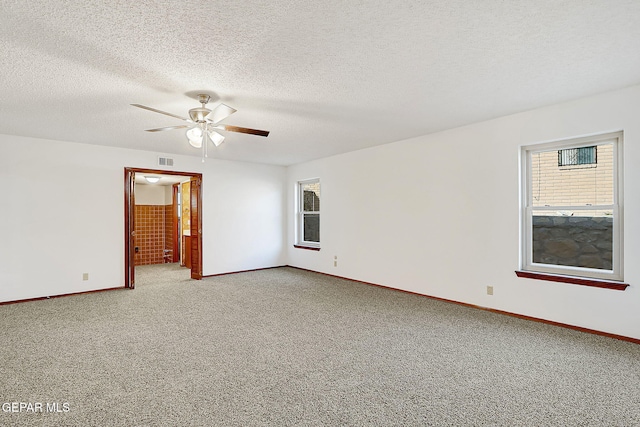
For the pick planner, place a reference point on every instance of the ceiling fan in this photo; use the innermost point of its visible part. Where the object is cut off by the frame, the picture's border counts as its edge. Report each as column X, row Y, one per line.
column 203, row 123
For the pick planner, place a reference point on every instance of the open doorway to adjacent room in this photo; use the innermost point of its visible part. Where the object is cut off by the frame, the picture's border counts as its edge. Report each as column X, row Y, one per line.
column 163, row 224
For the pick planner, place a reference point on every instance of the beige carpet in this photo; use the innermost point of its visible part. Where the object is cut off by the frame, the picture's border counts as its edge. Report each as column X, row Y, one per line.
column 285, row 347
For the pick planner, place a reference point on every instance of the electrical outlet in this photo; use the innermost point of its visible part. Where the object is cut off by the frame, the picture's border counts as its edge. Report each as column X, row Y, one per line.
column 489, row 290
column 335, row 260
column 85, row 276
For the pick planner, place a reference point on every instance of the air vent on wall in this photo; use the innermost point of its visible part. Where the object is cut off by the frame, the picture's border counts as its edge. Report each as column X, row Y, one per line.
column 165, row 161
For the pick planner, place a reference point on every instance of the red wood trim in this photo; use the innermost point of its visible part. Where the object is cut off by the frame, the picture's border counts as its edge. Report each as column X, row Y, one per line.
column 129, row 227
column 164, row 172
column 62, row 295
column 175, row 226
column 309, row 248
column 196, row 227
column 129, row 210
column 492, row 310
column 244, row 271
column 607, row 284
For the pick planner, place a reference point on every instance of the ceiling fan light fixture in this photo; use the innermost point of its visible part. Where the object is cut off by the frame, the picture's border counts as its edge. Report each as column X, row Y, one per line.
column 152, row 179
column 216, row 138
column 194, row 135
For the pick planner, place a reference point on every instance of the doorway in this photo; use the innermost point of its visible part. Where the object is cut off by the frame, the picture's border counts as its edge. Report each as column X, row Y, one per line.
column 194, row 244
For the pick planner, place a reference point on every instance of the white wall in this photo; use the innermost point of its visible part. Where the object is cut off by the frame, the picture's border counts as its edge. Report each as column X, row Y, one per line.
column 439, row 214
column 63, row 215
column 153, row 195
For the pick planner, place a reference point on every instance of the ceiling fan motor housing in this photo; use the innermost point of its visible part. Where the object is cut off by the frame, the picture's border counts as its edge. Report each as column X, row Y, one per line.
column 199, row 115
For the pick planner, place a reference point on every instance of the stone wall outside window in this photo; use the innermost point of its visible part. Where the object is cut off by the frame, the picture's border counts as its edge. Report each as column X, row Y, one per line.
column 577, row 241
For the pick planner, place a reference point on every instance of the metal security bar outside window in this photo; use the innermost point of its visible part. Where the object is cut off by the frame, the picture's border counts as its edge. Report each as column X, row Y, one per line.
column 578, row 156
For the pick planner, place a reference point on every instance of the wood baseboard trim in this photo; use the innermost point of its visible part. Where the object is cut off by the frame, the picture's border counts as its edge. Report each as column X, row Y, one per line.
column 492, row 310
column 62, row 295
column 244, row 271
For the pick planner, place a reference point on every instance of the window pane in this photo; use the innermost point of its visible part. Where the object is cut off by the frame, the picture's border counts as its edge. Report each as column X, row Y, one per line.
column 584, row 240
column 311, row 197
column 311, row 228
column 573, row 177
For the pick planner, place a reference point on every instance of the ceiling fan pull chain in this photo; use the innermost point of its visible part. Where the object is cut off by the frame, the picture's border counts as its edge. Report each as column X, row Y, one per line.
column 205, row 140
column 204, row 143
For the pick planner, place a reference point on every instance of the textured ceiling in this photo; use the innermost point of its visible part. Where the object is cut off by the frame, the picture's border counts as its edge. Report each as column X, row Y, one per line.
column 324, row 77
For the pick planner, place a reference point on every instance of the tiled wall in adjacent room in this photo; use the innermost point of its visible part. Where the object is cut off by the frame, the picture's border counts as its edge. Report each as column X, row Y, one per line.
column 153, row 233
column 168, row 228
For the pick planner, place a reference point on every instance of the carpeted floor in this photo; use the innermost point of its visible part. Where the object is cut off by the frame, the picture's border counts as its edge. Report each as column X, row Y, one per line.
column 286, row 347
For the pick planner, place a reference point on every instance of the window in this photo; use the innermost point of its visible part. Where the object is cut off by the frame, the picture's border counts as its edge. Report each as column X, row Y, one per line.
column 572, row 216
column 309, row 213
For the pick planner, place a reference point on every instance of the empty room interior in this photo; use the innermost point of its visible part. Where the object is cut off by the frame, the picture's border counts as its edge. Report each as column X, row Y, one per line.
column 334, row 213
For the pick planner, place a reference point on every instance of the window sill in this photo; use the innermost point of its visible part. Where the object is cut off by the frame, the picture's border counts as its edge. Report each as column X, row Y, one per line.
column 309, row 248
column 607, row 284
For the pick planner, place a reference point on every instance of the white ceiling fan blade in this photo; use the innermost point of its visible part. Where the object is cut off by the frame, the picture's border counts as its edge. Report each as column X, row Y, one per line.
column 167, row 128
column 221, row 112
column 161, row 112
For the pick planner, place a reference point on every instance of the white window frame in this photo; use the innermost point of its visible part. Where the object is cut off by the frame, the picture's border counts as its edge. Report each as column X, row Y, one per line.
column 527, row 208
column 301, row 213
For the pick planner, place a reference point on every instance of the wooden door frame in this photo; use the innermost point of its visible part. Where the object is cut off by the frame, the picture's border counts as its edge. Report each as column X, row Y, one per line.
column 195, row 199
column 175, row 226
column 129, row 222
